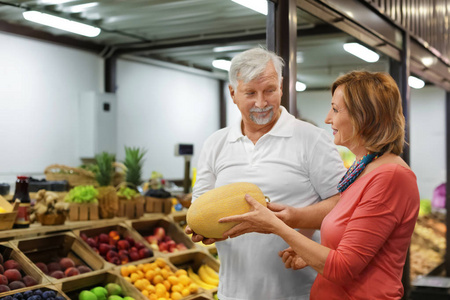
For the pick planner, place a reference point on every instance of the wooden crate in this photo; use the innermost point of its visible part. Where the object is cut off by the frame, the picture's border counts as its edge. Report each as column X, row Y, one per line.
column 9, row 251
column 83, row 212
column 158, row 205
column 131, row 209
column 74, row 287
column 49, row 248
column 122, row 229
column 143, row 264
column 179, row 219
column 7, row 218
column 195, row 260
column 145, row 228
column 41, row 287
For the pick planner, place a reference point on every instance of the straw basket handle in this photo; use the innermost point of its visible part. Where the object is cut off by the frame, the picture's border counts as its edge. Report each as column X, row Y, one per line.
column 79, row 171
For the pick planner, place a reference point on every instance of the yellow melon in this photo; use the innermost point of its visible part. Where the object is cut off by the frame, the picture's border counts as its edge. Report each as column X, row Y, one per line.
column 224, row 201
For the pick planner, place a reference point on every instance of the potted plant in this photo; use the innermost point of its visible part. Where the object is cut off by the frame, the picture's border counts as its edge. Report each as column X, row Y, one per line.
column 108, row 201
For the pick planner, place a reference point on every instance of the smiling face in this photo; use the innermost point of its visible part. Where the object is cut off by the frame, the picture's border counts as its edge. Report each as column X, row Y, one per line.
column 259, row 100
column 339, row 119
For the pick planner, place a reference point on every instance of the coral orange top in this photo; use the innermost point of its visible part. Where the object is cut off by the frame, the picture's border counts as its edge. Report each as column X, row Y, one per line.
column 369, row 232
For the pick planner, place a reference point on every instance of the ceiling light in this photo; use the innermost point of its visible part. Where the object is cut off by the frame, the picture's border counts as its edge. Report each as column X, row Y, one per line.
column 80, row 7
column 415, row 82
column 61, row 23
column 428, row 61
column 222, row 63
column 300, row 86
column 257, row 5
column 362, row 52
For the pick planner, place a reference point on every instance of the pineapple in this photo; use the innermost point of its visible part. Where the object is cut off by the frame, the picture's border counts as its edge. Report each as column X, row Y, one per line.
column 105, row 168
column 133, row 163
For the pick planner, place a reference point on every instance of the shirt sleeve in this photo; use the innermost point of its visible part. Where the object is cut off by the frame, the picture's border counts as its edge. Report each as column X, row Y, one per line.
column 326, row 167
column 376, row 216
column 205, row 178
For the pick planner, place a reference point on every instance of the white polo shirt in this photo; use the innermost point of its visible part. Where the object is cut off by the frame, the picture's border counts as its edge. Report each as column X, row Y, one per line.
column 295, row 164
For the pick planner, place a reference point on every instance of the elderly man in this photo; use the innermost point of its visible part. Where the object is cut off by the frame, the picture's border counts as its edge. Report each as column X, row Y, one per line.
column 293, row 162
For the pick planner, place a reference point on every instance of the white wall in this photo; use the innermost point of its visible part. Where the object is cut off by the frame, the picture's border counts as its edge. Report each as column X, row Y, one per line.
column 427, row 131
column 39, row 86
column 159, row 107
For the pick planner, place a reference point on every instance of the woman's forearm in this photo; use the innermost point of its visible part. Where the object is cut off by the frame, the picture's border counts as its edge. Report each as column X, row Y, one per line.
column 312, row 216
column 314, row 254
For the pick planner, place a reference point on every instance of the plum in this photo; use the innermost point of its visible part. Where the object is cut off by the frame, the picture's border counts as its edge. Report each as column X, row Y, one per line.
column 42, row 266
column 13, row 275
column 11, row 264
column 57, row 274
column 53, row 266
column 66, row 263
column 29, row 281
column 84, row 269
column 4, row 288
column 3, row 280
column 15, row 285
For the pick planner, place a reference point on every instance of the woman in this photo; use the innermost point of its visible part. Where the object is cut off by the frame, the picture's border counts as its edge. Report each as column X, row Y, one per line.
column 365, row 237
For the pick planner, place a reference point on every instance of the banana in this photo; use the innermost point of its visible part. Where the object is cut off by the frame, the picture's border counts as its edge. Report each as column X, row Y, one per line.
column 196, row 279
column 206, row 278
column 211, row 272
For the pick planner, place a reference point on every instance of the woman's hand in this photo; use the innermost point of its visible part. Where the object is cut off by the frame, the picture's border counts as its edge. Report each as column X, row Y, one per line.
column 291, row 260
column 196, row 238
column 283, row 212
column 258, row 219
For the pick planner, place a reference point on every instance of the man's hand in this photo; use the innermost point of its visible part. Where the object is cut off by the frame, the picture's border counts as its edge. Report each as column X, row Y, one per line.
column 196, row 238
column 291, row 260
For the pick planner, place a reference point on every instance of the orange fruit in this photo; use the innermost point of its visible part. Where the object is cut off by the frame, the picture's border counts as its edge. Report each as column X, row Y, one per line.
column 167, row 284
column 150, row 274
column 134, row 277
column 173, row 279
column 180, row 272
column 150, row 288
column 131, row 269
column 160, row 290
column 164, row 273
column 184, row 280
column 160, row 262
column 176, row 296
column 124, row 271
column 157, row 279
column 185, row 292
column 193, row 288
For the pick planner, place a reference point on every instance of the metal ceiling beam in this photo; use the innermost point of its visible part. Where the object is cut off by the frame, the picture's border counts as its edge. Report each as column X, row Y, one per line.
column 141, row 48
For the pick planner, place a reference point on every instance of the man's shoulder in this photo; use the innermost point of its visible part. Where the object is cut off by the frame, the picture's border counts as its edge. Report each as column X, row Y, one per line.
column 217, row 136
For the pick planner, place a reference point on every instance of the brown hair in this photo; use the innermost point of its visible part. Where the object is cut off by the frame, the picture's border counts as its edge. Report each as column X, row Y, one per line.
column 375, row 108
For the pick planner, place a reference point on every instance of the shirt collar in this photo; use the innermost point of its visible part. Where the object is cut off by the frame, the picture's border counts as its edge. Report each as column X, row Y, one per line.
column 281, row 128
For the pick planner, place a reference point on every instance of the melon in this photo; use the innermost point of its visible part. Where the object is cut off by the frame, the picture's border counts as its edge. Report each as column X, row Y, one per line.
column 228, row 200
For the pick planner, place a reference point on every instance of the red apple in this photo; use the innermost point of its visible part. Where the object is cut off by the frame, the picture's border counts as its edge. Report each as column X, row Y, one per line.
column 145, row 252
column 159, row 232
column 181, row 246
column 134, row 255
column 103, row 238
column 103, row 248
column 152, row 239
column 130, row 240
column 91, row 242
column 124, row 259
column 123, row 245
column 139, row 245
column 163, row 247
column 110, row 254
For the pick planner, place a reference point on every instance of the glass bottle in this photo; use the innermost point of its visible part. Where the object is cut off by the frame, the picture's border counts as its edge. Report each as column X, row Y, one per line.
column 21, row 194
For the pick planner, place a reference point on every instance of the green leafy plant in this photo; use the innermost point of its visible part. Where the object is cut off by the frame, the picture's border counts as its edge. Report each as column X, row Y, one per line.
column 127, row 192
column 105, row 168
column 134, row 158
column 82, row 194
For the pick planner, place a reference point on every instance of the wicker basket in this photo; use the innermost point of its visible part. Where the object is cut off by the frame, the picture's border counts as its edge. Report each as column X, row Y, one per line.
column 74, row 176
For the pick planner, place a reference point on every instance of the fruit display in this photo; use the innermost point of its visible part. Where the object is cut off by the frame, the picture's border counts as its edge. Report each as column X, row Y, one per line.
column 158, row 280
column 111, row 291
column 36, row 294
column 62, row 268
column 205, row 277
column 12, row 276
column 162, row 242
column 162, row 235
column 59, row 256
column 115, row 245
column 204, row 213
column 428, row 245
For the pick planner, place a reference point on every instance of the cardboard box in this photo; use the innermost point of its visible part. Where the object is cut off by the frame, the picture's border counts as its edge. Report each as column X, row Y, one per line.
column 74, row 287
column 9, row 251
column 146, row 228
column 8, row 218
column 83, row 212
column 51, row 248
column 122, row 229
column 131, row 209
column 158, row 205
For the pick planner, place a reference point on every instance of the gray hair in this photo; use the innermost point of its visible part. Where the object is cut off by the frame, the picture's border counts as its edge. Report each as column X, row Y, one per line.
column 249, row 64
